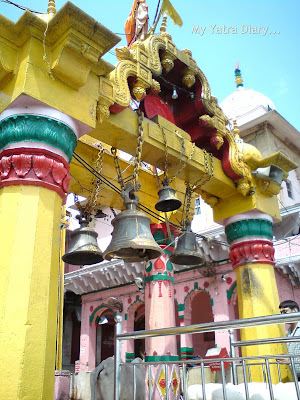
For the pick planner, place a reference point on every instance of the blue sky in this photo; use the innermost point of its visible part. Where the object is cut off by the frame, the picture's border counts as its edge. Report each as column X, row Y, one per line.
column 269, row 63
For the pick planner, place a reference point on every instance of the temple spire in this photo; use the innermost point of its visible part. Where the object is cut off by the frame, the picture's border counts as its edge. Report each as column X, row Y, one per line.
column 238, row 76
column 51, row 7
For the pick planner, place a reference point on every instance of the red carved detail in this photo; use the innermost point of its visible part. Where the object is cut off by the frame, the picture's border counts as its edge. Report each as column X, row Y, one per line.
column 206, row 284
column 252, row 252
column 41, row 166
column 21, row 164
column 35, row 167
column 186, row 289
column 5, row 165
column 159, row 264
column 58, row 172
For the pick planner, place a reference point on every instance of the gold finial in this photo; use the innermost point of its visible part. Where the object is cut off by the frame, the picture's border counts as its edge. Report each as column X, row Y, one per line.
column 51, row 7
column 163, row 27
column 236, row 130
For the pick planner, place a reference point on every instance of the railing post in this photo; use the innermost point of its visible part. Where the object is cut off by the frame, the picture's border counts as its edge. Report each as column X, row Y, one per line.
column 232, row 354
column 118, row 330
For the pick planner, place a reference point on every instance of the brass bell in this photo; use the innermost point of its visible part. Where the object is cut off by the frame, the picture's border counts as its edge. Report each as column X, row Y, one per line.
column 131, row 238
column 83, row 249
column 187, row 251
column 167, row 199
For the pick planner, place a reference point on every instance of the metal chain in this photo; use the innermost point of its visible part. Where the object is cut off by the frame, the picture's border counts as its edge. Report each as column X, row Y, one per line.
column 118, row 169
column 99, row 166
column 188, row 203
column 166, row 154
column 209, row 171
column 170, row 180
column 184, row 164
column 138, row 154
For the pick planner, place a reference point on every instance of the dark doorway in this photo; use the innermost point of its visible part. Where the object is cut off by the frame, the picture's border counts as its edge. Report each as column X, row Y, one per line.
column 139, row 325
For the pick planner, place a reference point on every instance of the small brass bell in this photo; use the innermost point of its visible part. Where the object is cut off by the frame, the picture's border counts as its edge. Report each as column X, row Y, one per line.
column 187, row 251
column 83, row 249
column 132, row 239
column 167, row 199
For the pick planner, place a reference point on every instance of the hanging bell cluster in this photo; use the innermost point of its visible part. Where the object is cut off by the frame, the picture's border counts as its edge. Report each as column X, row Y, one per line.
column 187, row 251
column 167, row 199
column 83, row 249
column 132, row 240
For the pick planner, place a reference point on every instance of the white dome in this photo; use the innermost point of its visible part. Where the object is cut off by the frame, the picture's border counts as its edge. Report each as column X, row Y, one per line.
column 244, row 105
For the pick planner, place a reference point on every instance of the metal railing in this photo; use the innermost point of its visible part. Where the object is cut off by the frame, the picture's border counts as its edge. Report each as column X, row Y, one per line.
column 243, row 363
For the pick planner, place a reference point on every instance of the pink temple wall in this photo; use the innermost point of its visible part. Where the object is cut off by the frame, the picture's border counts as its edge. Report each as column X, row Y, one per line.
column 220, row 304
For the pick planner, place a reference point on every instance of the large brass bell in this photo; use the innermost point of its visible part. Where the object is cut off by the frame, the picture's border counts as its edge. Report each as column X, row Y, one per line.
column 167, row 199
column 187, row 251
column 83, row 249
column 131, row 238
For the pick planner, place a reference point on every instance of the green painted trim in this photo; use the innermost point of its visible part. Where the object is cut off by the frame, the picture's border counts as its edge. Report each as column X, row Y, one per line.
column 97, row 309
column 161, row 358
column 230, row 291
column 186, row 349
column 199, row 290
column 125, row 317
column 196, row 285
column 159, row 277
column 248, row 228
column 137, row 300
column 181, row 307
column 181, row 317
column 35, row 128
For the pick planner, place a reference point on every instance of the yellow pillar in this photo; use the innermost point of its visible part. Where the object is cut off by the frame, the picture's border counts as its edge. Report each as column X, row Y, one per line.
column 29, row 277
column 252, row 256
column 35, row 150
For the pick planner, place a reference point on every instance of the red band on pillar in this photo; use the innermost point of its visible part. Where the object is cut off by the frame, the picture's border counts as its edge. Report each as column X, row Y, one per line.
column 35, row 167
column 252, row 252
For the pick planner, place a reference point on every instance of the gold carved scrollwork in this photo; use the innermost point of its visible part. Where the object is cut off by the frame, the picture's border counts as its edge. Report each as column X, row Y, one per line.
column 124, row 53
column 119, row 76
column 106, row 98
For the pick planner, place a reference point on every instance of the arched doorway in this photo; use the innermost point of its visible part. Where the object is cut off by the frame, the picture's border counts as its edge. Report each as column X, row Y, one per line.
column 139, row 325
column 105, row 336
column 201, row 311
